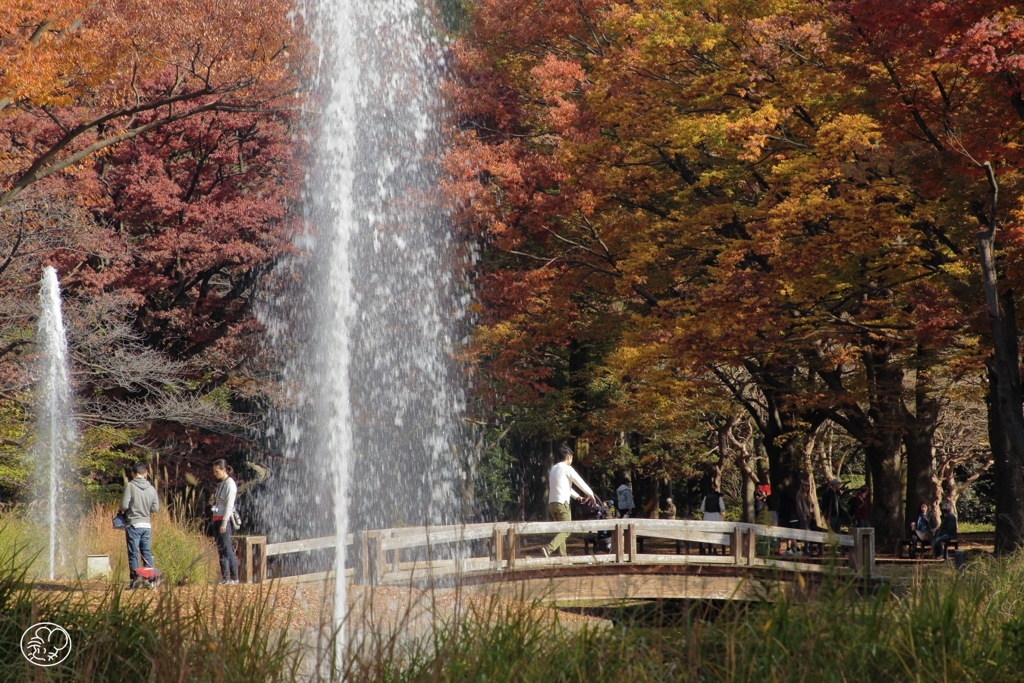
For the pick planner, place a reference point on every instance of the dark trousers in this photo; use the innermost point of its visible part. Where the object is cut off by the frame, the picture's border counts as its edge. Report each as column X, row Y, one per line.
column 138, row 542
column 226, row 551
column 937, row 545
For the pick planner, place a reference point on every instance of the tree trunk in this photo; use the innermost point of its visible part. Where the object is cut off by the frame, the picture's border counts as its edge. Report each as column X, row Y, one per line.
column 1006, row 365
column 1009, row 478
column 919, row 441
column 749, row 489
column 883, row 460
column 880, row 431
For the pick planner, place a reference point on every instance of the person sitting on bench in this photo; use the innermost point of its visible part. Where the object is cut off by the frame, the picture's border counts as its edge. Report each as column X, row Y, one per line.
column 921, row 530
column 946, row 533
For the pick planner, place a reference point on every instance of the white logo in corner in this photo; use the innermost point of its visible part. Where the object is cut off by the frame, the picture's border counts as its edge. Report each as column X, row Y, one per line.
column 45, row 644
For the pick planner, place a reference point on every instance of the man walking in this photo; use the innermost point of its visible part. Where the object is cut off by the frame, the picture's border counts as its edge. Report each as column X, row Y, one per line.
column 560, row 482
column 139, row 502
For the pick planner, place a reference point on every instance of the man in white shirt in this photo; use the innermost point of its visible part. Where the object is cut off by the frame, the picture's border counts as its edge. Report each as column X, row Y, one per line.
column 560, row 482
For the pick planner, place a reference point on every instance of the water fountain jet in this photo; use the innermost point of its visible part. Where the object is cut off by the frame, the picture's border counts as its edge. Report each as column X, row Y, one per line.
column 375, row 397
column 55, row 427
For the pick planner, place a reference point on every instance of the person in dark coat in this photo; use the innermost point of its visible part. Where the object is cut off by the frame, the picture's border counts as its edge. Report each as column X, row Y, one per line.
column 831, row 505
column 946, row 531
column 861, row 512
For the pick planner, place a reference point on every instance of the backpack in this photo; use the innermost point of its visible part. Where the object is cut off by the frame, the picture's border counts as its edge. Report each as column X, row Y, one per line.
column 711, row 503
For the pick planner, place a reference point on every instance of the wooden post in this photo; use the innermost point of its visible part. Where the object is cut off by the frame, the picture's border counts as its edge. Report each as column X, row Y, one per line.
column 381, row 564
column 857, row 554
column 871, row 553
column 736, row 545
column 243, row 553
column 618, row 544
column 373, row 558
column 511, row 539
column 260, row 559
column 497, row 541
column 750, row 547
column 252, row 560
column 632, row 542
column 864, row 551
column 363, row 543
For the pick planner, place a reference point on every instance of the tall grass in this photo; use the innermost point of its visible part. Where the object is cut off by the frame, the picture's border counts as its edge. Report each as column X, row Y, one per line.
column 180, row 550
column 150, row 637
column 944, row 627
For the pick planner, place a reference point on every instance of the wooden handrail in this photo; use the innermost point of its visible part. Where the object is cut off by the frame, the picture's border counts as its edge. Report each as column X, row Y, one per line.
column 380, row 550
column 320, row 543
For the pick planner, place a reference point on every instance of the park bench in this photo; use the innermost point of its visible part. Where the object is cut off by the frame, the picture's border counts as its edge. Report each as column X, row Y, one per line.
column 953, row 543
column 911, row 545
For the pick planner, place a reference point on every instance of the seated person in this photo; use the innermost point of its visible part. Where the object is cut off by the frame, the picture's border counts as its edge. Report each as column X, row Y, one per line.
column 946, row 531
column 921, row 530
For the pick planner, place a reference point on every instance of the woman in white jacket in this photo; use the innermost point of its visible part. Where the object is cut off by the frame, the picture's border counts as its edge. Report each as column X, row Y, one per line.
column 221, row 526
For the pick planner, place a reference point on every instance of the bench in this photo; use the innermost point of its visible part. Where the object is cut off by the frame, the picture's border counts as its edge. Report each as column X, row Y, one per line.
column 953, row 543
column 911, row 544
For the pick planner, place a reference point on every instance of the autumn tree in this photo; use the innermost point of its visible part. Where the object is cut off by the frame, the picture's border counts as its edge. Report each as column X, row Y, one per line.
column 706, row 176
column 92, row 75
column 149, row 151
column 946, row 81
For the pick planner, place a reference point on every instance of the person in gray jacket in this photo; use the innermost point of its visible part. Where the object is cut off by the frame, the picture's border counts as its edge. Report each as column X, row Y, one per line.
column 138, row 502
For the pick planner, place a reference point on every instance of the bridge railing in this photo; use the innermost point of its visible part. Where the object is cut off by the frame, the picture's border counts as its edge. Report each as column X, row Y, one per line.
column 413, row 553
column 416, row 553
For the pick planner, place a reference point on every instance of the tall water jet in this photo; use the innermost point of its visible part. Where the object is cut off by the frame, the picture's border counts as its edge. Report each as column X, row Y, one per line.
column 55, row 426
column 370, row 336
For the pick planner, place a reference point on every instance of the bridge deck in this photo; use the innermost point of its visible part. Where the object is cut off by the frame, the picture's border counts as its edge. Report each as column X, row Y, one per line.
column 492, row 554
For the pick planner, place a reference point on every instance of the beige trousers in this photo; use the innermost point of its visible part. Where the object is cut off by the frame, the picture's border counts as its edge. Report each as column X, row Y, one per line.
column 559, row 513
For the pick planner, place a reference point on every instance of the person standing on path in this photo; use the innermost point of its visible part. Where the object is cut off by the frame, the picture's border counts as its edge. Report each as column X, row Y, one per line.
column 625, row 496
column 138, row 502
column 221, row 526
column 560, row 482
column 713, row 506
column 831, row 505
column 860, row 512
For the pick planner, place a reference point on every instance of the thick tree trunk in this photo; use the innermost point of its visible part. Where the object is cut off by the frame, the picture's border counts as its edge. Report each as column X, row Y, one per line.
column 919, row 441
column 1009, row 478
column 880, row 431
column 785, row 466
column 920, row 469
column 883, row 459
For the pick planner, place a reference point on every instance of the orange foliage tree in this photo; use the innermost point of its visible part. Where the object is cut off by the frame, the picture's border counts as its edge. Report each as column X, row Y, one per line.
column 90, row 72
column 721, row 187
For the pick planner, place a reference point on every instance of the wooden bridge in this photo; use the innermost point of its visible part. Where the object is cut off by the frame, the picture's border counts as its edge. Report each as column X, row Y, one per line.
column 736, row 562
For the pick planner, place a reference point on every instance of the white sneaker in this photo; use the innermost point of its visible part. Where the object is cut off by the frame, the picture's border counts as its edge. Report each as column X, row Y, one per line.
column 545, row 551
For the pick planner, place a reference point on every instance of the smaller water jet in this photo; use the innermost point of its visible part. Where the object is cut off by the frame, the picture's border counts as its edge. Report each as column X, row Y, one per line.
column 55, row 426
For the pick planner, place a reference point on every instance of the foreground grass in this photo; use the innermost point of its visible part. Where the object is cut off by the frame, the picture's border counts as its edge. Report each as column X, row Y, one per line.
column 944, row 628
column 947, row 628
